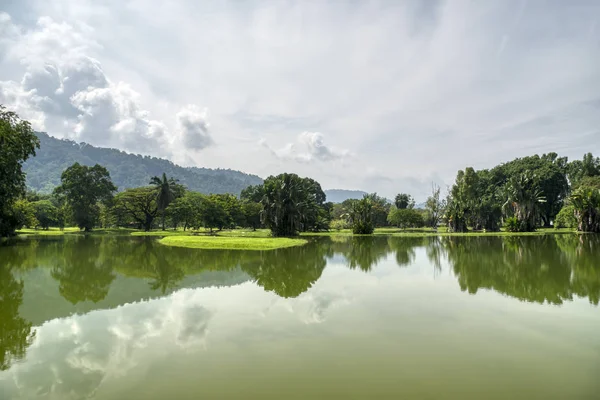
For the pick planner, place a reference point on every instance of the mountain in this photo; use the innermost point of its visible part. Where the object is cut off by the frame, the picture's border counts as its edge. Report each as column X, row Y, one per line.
column 339, row 195
column 126, row 170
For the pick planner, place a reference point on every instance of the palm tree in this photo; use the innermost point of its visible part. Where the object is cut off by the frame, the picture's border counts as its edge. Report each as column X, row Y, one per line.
column 586, row 202
column 167, row 192
column 524, row 199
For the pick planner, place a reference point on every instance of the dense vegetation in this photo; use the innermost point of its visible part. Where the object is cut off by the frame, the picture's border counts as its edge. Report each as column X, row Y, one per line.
column 520, row 195
column 126, row 170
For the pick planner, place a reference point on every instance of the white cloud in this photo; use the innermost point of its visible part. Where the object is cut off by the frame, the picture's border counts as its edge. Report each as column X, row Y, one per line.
column 67, row 93
column 193, row 127
column 414, row 89
column 309, row 146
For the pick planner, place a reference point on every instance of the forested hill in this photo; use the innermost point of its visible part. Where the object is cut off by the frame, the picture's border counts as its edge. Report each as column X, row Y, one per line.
column 126, row 170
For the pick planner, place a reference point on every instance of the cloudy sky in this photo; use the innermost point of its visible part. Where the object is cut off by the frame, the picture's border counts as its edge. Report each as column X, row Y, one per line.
column 380, row 96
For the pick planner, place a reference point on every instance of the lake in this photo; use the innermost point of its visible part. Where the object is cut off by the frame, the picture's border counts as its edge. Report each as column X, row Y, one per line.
column 117, row 317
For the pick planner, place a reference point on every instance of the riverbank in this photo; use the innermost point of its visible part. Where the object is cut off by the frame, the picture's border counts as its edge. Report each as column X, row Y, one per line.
column 265, row 233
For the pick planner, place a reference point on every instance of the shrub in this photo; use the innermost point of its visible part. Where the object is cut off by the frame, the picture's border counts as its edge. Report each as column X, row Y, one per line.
column 566, row 218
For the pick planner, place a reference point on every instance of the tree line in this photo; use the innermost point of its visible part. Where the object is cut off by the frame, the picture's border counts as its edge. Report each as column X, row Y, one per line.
column 520, row 195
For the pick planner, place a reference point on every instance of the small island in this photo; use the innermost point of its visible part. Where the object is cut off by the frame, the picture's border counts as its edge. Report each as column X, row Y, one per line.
column 230, row 243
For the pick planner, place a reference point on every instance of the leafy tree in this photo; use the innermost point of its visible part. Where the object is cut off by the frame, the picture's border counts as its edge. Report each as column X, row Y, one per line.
column 168, row 190
column 45, row 213
column 17, row 143
column 213, row 213
column 566, row 218
column 251, row 212
column 405, row 218
column 586, row 202
column 253, row 193
column 361, row 216
column 588, row 167
column 23, row 214
column 404, row 201
column 435, row 207
column 380, row 209
column 232, row 207
column 139, row 204
column 291, row 204
column 82, row 188
column 524, row 199
column 185, row 210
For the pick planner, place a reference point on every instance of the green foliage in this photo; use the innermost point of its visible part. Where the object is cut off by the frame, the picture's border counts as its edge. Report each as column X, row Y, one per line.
column 292, row 204
column 361, row 216
column 82, row 188
column 566, row 218
column 588, row 167
column 435, row 207
column 17, row 143
column 339, row 224
column 251, row 212
column 524, row 199
column 45, row 213
column 403, row 201
column 168, row 190
column 253, row 193
column 23, row 214
column 137, row 206
column 512, row 224
column 126, row 170
column 230, row 243
column 405, row 218
column 380, row 209
column 586, row 203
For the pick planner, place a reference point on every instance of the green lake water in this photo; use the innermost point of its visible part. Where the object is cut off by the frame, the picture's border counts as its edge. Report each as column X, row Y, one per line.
column 339, row 318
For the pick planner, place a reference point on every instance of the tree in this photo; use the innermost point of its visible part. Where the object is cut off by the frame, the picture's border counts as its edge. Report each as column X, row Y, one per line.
column 291, row 204
column 232, row 207
column 524, row 199
column 168, row 190
column 586, row 202
column 361, row 216
column 45, row 213
column 253, row 193
column 184, row 210
column 82, row 188
column 405, row 218
column 566, row 218
column 213, row 213
column 251, row 213
column 17, row 143
column 23, row 214
column 435, row 206
column 139, row 204
column 404, row 201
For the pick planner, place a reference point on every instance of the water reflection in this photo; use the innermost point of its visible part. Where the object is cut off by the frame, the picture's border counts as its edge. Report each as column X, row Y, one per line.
column 15, row 332
column 44, row 279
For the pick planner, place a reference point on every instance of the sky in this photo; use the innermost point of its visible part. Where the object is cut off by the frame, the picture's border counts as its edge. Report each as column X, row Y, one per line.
column 381, row 96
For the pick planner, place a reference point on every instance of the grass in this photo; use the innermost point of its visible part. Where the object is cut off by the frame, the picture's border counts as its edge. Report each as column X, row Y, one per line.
column 230, row 243
column 266, row 234
column 442, row 231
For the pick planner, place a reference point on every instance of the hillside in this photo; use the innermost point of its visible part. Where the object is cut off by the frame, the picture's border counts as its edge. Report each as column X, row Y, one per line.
column 126, row 170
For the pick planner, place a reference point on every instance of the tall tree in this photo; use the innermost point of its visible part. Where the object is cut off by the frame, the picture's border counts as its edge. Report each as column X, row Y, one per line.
column 291, row 204
column 82, row 188
column 361, row 216
column 17, row 143
column 435, row 206
column 139, row 204
column 168, row 190
column 524, row 200
column 404, row 201
column 586, row 202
